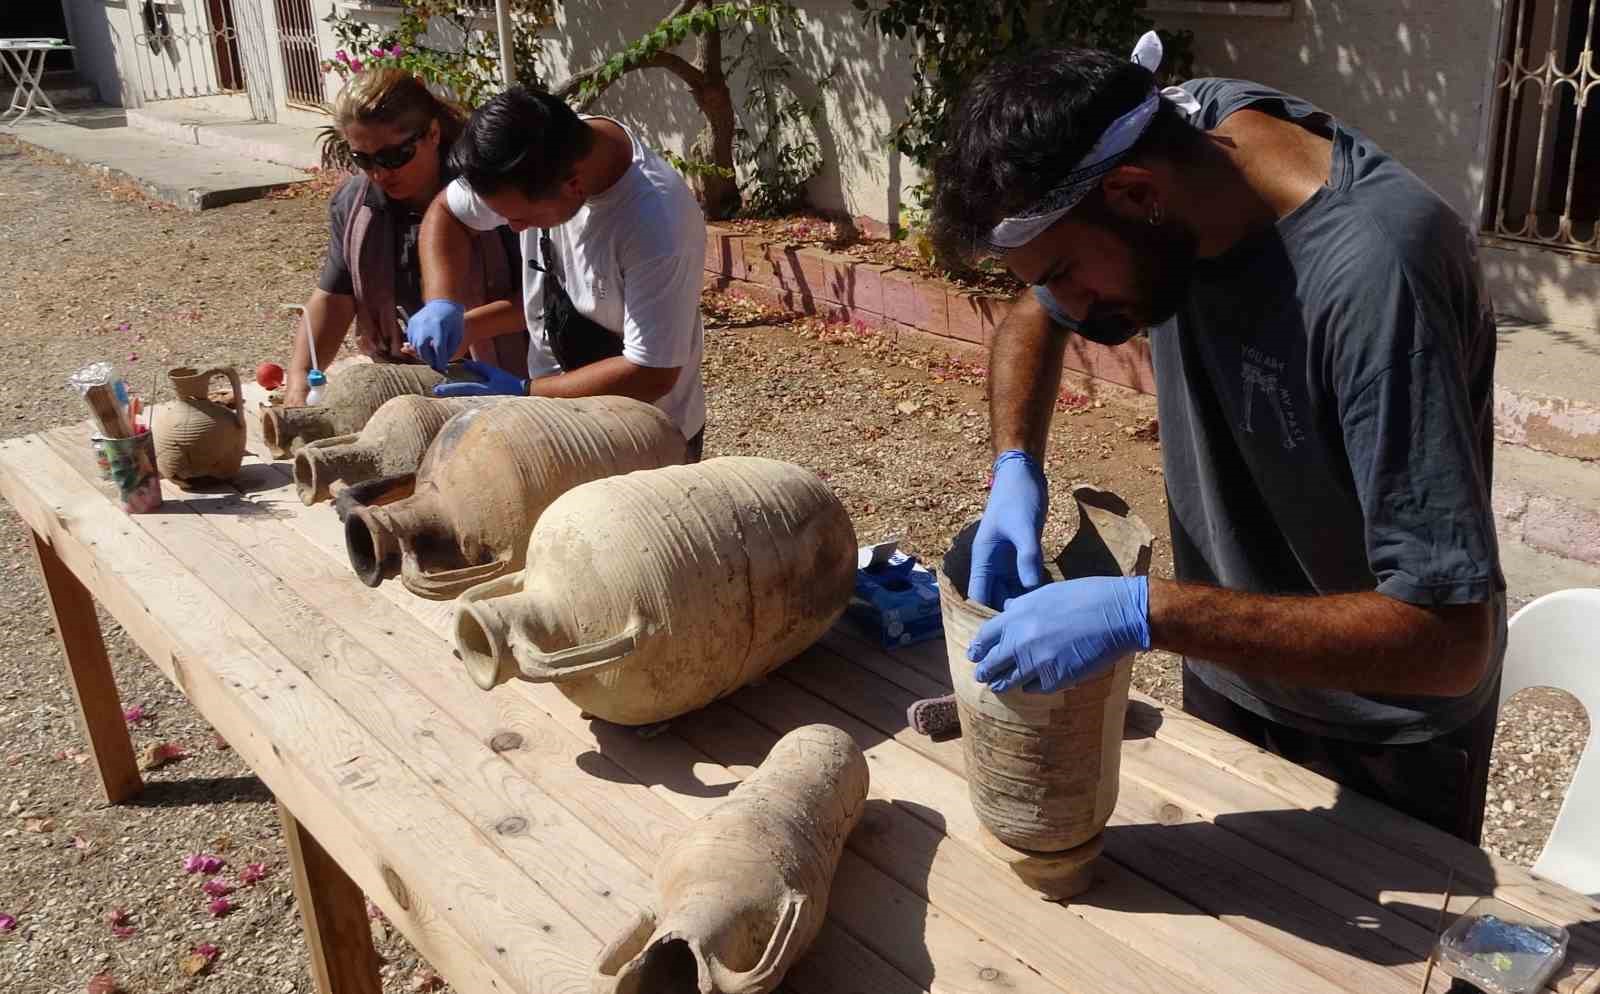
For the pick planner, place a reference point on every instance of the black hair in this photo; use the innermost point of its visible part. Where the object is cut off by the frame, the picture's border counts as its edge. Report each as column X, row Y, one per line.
column 523, row 140
column 1023, row 125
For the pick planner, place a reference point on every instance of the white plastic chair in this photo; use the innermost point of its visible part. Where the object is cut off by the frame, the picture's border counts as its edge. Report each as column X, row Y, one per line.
column 1555, row 642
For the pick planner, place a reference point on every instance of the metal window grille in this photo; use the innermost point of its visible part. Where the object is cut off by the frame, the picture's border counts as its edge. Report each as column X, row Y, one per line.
column 1546, row 146
column 302, row 55
column 186, row 49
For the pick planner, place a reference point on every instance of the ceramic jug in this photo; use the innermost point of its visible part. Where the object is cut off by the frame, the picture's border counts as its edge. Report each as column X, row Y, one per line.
column 352, row 396
column 195, row 436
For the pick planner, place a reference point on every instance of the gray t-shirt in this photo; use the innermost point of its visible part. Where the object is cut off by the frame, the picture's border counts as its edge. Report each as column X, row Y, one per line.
column 1325, row 396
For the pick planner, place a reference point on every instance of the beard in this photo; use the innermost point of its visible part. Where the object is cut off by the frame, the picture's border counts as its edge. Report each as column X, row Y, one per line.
column 1164, row 256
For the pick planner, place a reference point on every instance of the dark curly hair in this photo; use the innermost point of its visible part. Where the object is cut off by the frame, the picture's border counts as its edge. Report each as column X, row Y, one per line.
column 1023, row 124
column 522, row 140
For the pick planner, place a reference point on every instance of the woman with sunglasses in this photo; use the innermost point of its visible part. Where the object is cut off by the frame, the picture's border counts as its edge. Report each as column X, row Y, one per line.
column 398, row 133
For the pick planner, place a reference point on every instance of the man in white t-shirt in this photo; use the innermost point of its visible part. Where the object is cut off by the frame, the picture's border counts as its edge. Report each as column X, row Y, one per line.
column 615, row 249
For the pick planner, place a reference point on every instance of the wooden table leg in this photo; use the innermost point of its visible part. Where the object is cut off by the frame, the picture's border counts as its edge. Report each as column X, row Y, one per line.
column 335, row 914
column 89, row 672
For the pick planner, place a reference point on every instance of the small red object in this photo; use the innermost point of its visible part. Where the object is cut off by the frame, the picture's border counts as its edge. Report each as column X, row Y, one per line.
column 269, row 375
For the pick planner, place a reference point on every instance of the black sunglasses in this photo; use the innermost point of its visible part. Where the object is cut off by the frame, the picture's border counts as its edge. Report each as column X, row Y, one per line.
column 390, row 156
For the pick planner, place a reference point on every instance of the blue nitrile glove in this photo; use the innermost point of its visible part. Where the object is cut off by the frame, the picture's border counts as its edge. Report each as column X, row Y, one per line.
column 1006, row 556
column 1063, row 633
column 435, row 332
column 496, row 383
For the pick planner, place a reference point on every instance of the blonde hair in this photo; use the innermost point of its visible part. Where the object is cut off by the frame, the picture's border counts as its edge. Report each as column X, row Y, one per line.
column 394, row 97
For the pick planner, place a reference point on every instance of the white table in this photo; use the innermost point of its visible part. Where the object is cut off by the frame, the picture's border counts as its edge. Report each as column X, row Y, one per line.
column 23, row 59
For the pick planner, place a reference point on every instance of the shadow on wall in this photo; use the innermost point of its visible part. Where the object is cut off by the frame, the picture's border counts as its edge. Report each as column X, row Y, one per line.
column 861, row 174
column 1406, row 73
column 1415, row 75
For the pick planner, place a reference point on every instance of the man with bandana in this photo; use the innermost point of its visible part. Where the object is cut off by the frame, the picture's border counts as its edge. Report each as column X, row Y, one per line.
column 1324, row 357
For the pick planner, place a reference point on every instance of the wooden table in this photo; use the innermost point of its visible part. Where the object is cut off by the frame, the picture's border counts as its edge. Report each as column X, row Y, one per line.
column 509, row 838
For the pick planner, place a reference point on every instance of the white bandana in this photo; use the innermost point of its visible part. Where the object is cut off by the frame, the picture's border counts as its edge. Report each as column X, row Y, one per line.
column 1108, row 152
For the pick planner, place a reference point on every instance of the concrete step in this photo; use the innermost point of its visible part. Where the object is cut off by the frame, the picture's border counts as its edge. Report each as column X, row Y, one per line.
column 189, row 177
column 1548, row 503
column 224, row 124
column 1547, row 388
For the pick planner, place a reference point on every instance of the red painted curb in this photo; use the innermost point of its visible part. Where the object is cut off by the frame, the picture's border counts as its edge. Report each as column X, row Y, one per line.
column 924, row 312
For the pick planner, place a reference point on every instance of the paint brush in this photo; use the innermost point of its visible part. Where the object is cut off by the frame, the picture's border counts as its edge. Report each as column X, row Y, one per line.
column 1433, row 953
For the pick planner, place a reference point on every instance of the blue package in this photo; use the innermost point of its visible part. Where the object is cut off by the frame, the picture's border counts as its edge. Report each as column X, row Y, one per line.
column 896, row 598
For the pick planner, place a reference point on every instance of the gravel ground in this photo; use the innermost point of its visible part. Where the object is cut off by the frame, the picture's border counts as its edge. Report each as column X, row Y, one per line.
column 901, row 436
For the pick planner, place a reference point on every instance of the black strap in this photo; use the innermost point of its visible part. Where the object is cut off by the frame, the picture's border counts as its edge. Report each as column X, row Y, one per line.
column 575, row 339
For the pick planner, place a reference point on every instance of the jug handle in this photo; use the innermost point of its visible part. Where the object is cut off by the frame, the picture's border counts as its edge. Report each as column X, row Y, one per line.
column 238, row 389
column 585, row 659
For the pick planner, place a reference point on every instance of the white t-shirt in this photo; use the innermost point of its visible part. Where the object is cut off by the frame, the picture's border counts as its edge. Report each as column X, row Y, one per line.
column 632, row 260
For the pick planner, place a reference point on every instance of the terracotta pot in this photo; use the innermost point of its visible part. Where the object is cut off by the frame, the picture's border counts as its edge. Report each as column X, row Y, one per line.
column 652, row 594
column 486, row 478
column 743, row 893
column 353, row 395
column 391, row 444
column 1042, row 769
column 196, row 437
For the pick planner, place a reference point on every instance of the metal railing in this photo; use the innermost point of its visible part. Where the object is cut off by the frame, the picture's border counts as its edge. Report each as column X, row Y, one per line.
column 185, row 49
column 1545, row 154
column 302, row 54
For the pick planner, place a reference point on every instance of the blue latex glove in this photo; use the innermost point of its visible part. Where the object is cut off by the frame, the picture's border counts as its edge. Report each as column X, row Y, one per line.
column 1006, row 557
column 1063, row 633
column 435, row 332
column 496, row 383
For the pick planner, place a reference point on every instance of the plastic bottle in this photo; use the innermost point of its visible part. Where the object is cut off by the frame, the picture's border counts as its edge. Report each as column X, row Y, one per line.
column 316, row 381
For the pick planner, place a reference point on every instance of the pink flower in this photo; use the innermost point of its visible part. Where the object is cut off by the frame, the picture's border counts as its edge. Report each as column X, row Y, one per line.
column 253, row 873
column 124, row 326
column 116, row 917
column 341, row 56
column 378, row 53
column 396, row 51
column 207, row 950
column 217, row 887
column 355, row 65
column 201, row 863
column 134, row 715
column 219, row 907
column 7, row 922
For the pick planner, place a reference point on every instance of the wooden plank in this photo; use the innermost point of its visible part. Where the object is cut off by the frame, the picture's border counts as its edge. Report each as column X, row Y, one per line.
column 1407, row 887
column 1123, row 905
column 302, row 745
column 622, row 812
column 1375, row 830
column 94, row 686
column 1423, row 843
column 575, row 826
column 944, row 957
column 333, row 912
column 1260, row 887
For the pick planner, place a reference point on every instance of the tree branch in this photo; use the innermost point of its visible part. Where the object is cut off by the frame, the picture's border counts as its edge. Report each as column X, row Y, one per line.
column 576, row 80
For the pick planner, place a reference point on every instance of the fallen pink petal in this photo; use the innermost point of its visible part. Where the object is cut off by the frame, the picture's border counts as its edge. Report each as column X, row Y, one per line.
column 211, row 864
column 253, row 873
column 217, row 887
column 221, row 906
column 123, row 931
column 117, row 916
column 192, row 863
column 7, row 922
column 374, row 912
column 135, row 714
column 207, row 950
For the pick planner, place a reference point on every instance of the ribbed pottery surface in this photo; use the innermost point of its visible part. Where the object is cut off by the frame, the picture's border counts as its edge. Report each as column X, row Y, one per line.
column 491, row 471
column 1042, row 769
column 736, row 565
column 393, row 441
column 352, row 396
